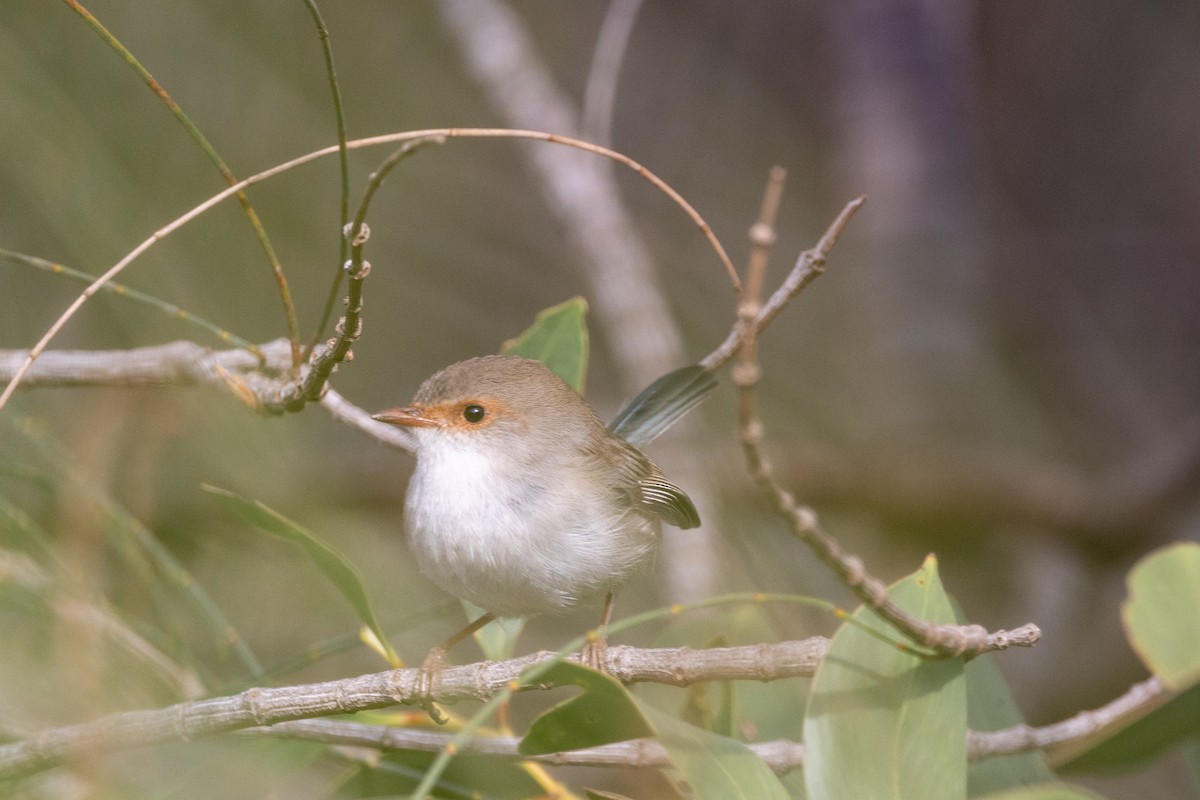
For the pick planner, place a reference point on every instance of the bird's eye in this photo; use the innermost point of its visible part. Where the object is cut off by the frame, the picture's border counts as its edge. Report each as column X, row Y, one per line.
column 474, row 413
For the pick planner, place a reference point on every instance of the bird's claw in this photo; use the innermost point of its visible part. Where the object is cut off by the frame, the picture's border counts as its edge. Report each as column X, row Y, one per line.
column 428, row 678
column 595, row 654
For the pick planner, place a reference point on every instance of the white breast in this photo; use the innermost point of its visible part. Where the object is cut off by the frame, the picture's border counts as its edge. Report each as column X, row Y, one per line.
column 483, row 529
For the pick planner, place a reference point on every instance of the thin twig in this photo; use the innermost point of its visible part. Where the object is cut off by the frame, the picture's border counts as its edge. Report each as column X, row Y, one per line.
column 945, row 640
column 805, row 271
column 343, row 170
column 311, row 383
column 1064, row 740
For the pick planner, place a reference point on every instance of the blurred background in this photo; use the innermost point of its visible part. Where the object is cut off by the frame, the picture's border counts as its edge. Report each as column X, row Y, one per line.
column 1000, row 365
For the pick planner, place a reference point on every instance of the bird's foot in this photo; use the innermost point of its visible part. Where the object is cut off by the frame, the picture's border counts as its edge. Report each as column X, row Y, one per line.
column 428, row 679
column 595, row 653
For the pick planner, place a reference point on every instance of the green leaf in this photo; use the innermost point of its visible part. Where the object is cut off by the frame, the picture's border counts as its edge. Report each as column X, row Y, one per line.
column 715, row 767
column 340, row 572
column 1162, row 613
column 603, row 713
column 558, row 338
column 883, row 723
column 1047, row 791
column 597, row 794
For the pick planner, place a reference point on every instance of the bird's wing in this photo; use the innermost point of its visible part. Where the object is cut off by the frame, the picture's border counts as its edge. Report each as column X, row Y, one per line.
column 668, row 501
column 640, row 484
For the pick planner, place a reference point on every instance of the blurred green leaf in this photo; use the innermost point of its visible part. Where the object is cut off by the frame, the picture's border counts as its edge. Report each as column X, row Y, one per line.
column 340, row 572
column 715, row 767
column 397, row 773
column 558, row 338
column 604, row 712
column 1162, row 613
column 1162, row 619
column 883, row 723
column 1048, row 791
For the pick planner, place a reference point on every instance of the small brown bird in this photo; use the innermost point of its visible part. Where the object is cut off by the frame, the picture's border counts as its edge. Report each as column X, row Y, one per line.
column 522, row 501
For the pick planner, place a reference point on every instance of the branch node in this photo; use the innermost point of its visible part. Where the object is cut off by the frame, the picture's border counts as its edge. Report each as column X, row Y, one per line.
column 762, row 235
column 745, row 374
column 357, row 238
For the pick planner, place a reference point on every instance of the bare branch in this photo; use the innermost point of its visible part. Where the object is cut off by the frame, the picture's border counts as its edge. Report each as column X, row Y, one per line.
column 1064, row 740
column 175, row 364
column 267, row 706
column 946, row 640
column 344, row 411
column 808, row 267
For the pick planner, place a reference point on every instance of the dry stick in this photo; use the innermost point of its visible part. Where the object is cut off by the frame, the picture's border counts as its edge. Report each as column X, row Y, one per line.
column 483, row 133
column 266, row 706
column 1064, row 740
column 801, row 275
column 945, row 640
column 182, row 363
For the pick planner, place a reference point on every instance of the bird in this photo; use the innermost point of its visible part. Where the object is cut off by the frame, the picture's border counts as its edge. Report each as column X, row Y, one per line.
column 522, row 501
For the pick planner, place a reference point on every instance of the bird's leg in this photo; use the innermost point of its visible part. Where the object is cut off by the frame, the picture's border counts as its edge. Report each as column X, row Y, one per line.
column 435, row 663
column 595, row 652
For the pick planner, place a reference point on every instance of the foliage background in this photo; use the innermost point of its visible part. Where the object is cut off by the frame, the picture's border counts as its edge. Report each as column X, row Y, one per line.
column 1014, row 312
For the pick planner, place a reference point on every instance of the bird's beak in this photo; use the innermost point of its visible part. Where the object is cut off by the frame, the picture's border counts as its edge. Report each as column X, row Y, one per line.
column 409, row 417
